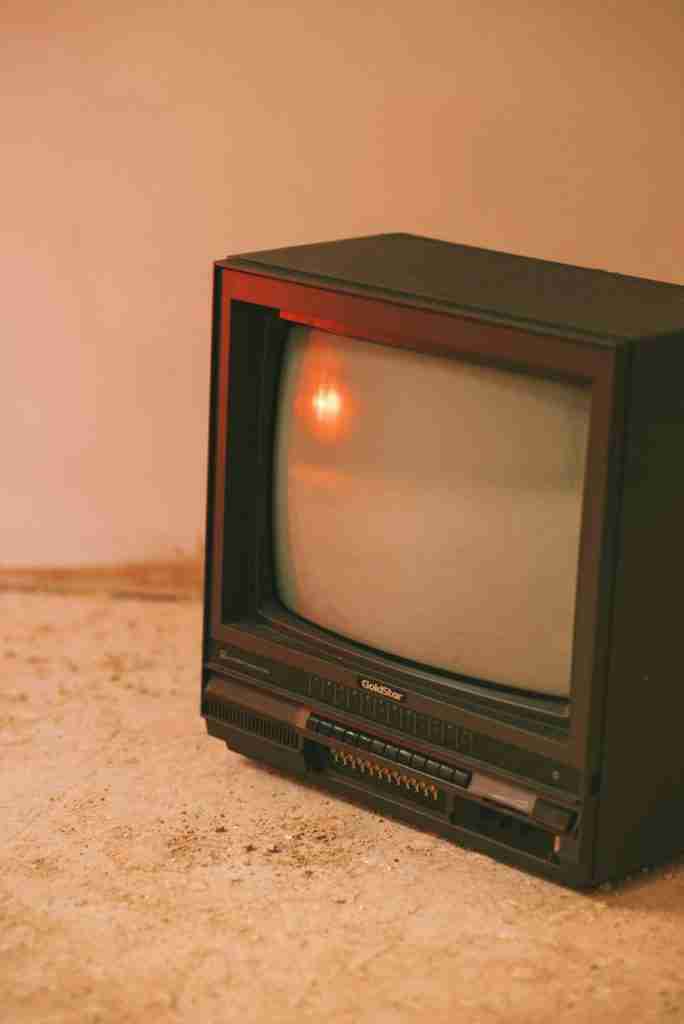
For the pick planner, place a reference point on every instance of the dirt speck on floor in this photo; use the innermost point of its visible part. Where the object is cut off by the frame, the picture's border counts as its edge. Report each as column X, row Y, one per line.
column 148, row 874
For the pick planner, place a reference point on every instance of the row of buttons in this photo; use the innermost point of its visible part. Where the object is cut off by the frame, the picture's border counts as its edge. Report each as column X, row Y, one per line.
column 358, row 702
column 388, row 750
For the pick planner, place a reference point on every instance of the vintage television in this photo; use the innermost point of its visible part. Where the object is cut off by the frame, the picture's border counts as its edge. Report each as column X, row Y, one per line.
column 445, row 556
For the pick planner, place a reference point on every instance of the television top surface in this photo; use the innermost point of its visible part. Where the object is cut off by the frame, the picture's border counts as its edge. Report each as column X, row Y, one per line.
column 594, row 305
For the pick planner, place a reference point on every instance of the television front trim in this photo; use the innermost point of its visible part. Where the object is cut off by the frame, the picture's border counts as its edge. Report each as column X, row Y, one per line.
column 532, row 349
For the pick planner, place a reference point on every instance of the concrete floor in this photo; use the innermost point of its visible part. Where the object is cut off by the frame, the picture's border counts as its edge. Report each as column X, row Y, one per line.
column 147, row 874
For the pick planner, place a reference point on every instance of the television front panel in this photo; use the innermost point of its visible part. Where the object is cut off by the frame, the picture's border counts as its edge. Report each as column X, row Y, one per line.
column 444, row 556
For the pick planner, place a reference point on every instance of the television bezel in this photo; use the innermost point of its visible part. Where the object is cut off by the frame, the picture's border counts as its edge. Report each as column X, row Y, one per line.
column 525, row 348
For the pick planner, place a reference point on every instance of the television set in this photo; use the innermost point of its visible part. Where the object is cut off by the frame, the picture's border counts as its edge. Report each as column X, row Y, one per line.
column 444, row 549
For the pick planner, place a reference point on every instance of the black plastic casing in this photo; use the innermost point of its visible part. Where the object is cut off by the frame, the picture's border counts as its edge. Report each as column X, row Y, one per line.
column 579, row 791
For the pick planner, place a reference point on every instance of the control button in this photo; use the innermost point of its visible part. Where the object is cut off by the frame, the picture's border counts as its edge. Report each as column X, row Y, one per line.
column 328, row 694
column 418, row 762
column 432, row 767
column 378, row 747
column 395, row 717
column 557, row 818
column 404, row 757
column 382, row 711
column 324, row 727
column 341, row 696
column 354, row 701
column 351, row 737
column 422, row 726
column 436, row 731
column 365, row 742
column 446, row 772
column 408, row 720
column 313, row 722
column 338, row 732
column 391, row 752
column 461, row 778
column 315, row 686
column 368, row 705
column 451, row 736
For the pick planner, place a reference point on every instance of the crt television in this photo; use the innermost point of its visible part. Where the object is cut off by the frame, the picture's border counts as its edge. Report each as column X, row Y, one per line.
column 444, row 555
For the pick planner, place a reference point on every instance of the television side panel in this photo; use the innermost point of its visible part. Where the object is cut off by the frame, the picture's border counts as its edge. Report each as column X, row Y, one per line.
column 640, row 817
column 211, row 459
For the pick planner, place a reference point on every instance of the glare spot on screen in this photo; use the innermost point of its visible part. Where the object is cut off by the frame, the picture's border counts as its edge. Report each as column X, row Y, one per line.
column 327, row 404
column 323, row 402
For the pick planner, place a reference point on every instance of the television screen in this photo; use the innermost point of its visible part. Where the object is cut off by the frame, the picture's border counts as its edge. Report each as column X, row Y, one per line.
column 430, row 507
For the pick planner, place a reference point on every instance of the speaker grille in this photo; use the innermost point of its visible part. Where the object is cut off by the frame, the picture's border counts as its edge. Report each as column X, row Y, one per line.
column 242, row 718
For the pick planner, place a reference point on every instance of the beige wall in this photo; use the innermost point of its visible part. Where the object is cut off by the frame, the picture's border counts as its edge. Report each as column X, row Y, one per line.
column 141, row 142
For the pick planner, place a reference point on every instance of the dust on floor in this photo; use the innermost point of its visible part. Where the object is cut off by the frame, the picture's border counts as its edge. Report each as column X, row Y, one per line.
column 147, row 874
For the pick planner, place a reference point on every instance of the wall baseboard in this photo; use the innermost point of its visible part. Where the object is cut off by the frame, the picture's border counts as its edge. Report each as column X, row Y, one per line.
column 175, row 580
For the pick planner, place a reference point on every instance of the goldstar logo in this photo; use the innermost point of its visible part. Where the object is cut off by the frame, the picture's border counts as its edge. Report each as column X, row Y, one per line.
column 381, row 689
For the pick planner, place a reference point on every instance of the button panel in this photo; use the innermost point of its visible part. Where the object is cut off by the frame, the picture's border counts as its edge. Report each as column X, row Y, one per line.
column 419, row 724
column 387, row 750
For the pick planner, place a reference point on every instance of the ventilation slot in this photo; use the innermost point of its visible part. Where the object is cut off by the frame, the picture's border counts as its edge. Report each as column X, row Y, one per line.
column 241, row 718
column 385, row 777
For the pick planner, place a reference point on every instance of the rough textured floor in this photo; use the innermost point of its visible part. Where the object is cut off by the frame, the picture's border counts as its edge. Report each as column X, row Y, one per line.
column 146, row 874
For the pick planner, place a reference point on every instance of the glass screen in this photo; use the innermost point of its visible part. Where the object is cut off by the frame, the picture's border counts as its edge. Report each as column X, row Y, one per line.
column 431, row 508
